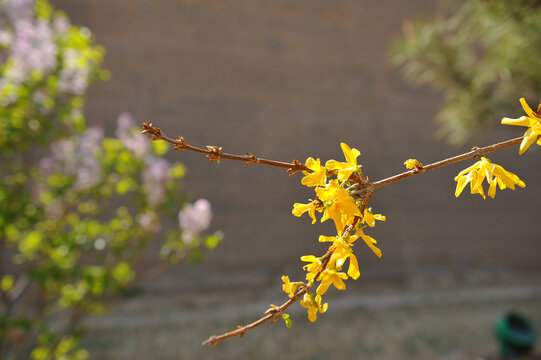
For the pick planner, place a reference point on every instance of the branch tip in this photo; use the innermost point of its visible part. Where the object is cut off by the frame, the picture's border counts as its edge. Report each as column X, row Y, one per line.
column 155, row 131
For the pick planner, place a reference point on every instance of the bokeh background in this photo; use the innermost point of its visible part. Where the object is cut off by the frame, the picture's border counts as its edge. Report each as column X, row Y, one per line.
column 286, row 80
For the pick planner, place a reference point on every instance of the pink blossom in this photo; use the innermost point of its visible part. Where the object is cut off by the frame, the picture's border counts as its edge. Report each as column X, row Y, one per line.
column 155, row 177
column 194, row 219
column 131, row 137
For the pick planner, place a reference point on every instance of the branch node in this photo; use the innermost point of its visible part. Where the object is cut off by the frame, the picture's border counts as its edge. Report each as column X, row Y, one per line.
column 251, row 158
column 478, row 154
column 418, row 168
column 242, row 331
column 180, row 144
column 297, row 167
column 272, row 310
column 215, row 153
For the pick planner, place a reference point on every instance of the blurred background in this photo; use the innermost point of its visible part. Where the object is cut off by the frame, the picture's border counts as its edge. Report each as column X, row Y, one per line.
column 287, row 80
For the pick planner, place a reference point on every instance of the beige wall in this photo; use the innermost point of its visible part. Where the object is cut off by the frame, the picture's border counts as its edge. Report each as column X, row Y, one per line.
column 291, row 79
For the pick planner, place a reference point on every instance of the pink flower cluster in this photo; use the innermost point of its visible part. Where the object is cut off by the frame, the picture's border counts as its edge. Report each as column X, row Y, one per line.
column 194, row 219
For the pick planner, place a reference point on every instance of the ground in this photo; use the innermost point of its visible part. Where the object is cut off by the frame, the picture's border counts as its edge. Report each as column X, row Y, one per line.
column 387, row 320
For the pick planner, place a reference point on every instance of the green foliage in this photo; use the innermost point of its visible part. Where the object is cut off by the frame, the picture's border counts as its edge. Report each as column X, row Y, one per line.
column 77, row 209
column 483, row 56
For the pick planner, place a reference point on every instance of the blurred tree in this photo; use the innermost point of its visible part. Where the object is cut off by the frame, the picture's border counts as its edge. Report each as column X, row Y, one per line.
column 66, row 246
column 483, row 56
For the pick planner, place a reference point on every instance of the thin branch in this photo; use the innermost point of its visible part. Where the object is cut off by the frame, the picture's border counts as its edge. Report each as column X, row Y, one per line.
column 214, row 153
column 274, row 313
column 475, row 152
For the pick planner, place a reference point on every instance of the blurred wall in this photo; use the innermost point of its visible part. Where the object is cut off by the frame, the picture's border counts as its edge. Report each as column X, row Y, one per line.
column 291, row 79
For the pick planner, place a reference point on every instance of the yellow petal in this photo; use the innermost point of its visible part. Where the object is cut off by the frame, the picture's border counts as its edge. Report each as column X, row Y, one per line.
column 527, row 108
column 347, row 206
column 309, row 258
column 468, row 170
column 323, row 238
column 314, row 179
column 492, row 188
column 461, row 184
column 338, row 283
column 370, row 242
column 529, row 138
column 476, row 185
column 312, row 314
column 353, row 270
column 521, row 121
column 350, row 154
column 323, row 287
column 312, row 164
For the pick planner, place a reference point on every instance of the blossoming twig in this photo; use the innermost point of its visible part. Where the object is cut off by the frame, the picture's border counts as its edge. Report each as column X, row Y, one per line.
column 475, row 152
column 274, row 313
column 343, row 194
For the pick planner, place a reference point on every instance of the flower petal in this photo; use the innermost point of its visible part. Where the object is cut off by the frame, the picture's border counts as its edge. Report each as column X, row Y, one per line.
column 323, row 287
column 349, row 153
column 527, row 108
column 529, row 138
column 353, row 270
column 521, row 121
column 370, row 241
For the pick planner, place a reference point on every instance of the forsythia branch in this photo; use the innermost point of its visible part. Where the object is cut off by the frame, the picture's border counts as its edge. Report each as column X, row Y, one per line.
column 343, row 194
column 475, row 152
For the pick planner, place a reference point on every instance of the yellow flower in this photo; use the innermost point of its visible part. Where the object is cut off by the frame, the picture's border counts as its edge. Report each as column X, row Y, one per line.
column 485, row 169
column 370, row 218
column 371, row 242
column 319, row 175
column 313, row 267
column 313, row 305
column 412, row 164
column 532, row 121
column 299, row 209
column 289, row 287
column 336, row 202
column 331, row 276
column 345, row 169
column 341, row 252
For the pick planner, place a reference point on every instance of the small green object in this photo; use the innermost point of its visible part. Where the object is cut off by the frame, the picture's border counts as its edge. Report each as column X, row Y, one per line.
column 287, row 320
column 7, row 282
column 515, row 335
column 213, row 240
column 160, row 147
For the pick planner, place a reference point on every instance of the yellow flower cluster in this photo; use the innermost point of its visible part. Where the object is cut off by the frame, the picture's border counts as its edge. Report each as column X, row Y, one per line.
column 485, row 169
column 493, row 173
column 532, row 121
column 413, row 164
column 333, row 183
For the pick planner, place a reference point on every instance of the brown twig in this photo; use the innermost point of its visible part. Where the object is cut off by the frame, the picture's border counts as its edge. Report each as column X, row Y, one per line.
column 470, row 154
column 214, row 153
column 271, row 313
